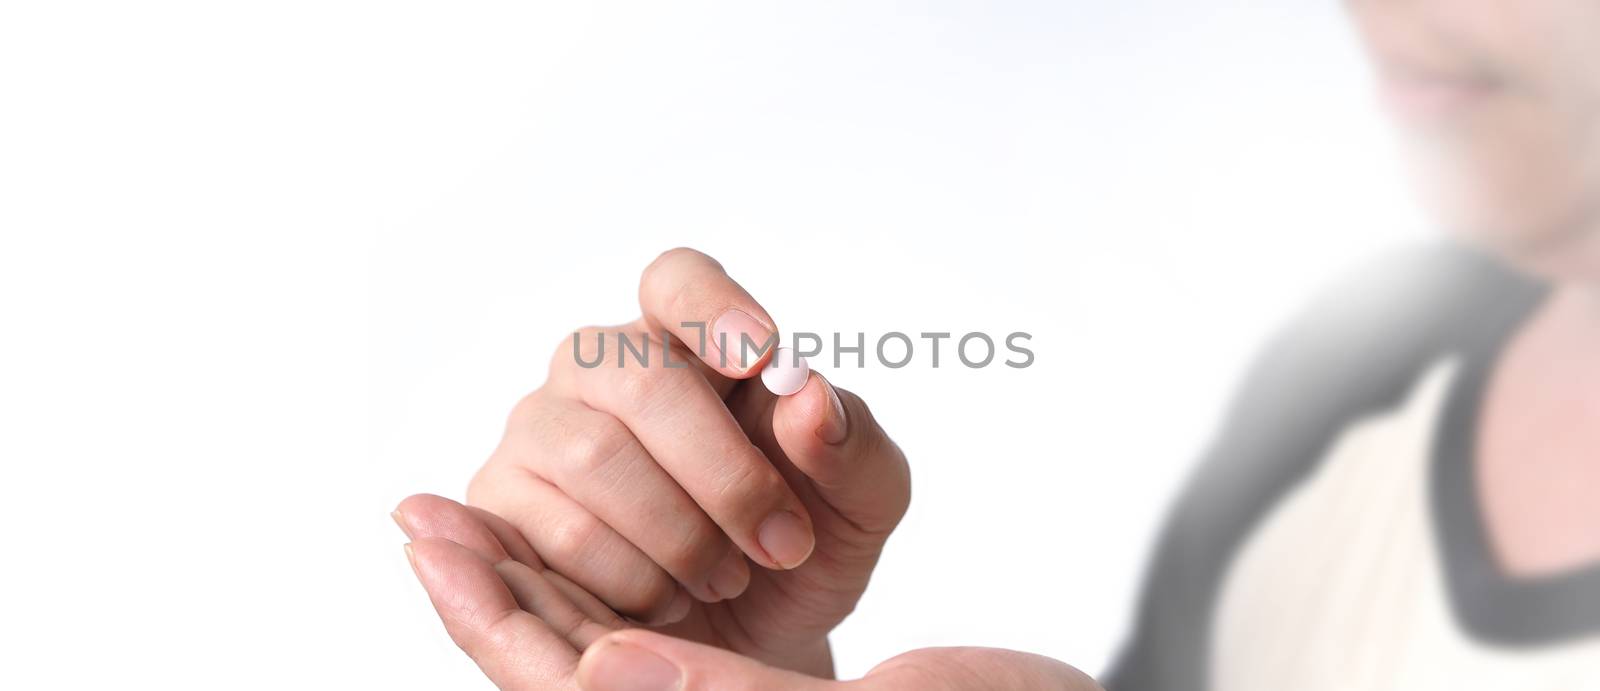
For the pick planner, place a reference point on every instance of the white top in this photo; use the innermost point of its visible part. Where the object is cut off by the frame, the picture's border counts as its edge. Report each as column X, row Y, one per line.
column 1340, row 585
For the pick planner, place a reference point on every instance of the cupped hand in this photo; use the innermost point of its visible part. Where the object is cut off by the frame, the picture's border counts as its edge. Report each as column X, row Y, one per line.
column 531, row 629
column 689, row 495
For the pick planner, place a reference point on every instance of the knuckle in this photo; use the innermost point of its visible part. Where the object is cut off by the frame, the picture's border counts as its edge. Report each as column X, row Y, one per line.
column 478, row 486
column 750, row 491
column 679, row 279
column 855, row 404
column 895, row 477
column 573, row 537
column 673, row 256
column 641, row 386
column 525, row 412
column 902, row 501
column 655, row 593
column 592, row 447
column 502, row 637
column 657, row 267
column 765, row 485
column 693, row 553
column 643, row 592
column 731, row 479
column 695, row 295
column 581, row 346
column 494, row 489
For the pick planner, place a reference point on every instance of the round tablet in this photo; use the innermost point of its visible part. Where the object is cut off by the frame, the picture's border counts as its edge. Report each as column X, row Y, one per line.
column 786, row 372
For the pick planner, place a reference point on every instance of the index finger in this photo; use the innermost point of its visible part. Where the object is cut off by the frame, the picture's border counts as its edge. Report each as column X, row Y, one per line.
column 688, row 294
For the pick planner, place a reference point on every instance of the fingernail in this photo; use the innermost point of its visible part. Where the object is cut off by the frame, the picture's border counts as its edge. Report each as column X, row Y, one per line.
column 835, row 426
column 627, row 667
column 400, row 520
column 786, row 539
column 740, row 338
column 678, row 609
column 729, row 579
column 411, row 556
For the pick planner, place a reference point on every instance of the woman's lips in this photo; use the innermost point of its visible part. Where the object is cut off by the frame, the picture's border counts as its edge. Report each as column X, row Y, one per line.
column 1433, row 98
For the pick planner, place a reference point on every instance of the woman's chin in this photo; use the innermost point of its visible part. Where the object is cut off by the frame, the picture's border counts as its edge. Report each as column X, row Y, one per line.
column 1556, row 253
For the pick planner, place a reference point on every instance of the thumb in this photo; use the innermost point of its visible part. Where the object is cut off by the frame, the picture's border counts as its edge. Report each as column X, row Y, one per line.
column 973, row 669
column 639, row 660
column 828, row 434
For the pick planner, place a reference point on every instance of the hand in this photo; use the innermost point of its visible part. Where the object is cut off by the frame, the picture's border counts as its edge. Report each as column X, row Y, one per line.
column 530, row 629
column 655, row 488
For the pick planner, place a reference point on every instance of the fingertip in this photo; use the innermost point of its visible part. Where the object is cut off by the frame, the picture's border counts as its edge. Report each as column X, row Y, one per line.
column 810, row 429
column 730, row 577
column 858, row 470
column 741, row 344
column 400, row 520
column 689, row 294
column 787, row 539
column 417, row 504
column 402, row 510
column 627, row 660
column 835, row 426
column 811, row 424
column 652, row 607
column 677, row 609
column 639, row 659
column 430, row 516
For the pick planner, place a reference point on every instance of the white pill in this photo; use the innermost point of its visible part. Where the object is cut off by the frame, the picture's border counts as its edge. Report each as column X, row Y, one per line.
column 786, row 372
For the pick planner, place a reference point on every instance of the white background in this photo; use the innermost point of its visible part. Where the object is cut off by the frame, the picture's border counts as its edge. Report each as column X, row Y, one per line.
column 268, row 268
